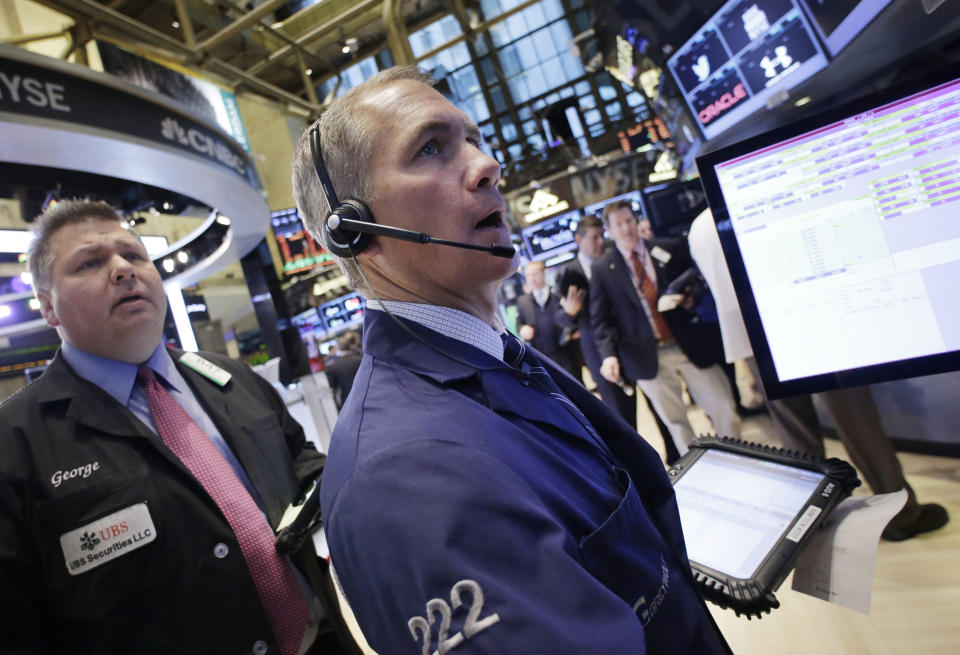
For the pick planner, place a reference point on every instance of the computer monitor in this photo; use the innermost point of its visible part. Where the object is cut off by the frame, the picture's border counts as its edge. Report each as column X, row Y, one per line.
column 837, row 22
column 551, row 237
column 842, row 239
column 747, row 52
column 671, row 208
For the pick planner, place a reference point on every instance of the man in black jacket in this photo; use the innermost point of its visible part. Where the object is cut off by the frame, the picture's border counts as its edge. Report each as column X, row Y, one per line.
column 543, row 323
column 652, row 338
column 140, row 487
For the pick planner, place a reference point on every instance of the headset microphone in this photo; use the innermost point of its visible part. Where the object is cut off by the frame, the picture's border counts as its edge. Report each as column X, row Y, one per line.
column 349, row 226
column 343, row 227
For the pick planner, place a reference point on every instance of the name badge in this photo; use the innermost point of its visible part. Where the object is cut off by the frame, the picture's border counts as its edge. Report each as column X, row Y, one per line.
column 108, row 538
column 207, row 369
column 660, row 255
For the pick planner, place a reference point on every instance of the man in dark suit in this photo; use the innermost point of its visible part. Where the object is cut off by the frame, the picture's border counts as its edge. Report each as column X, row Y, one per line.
column 140, row 486
column 342, row 369
column 654, row 339
column 542, row 322
column 572, row 285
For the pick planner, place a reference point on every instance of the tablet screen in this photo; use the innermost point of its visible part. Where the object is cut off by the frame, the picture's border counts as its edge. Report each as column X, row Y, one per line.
column 735, row 508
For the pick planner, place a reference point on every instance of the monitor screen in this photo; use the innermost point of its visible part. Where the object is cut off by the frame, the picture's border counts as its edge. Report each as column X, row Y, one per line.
column 635, row 198
column 747, row 52
column 551, row 237
column 735, row 508
column 297, row 248
column 839, row 21
column 841, row 237
column 671, row 208
column 343, row 312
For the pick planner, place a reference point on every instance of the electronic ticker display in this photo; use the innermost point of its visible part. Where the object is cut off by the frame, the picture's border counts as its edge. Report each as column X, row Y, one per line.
column 299, row 251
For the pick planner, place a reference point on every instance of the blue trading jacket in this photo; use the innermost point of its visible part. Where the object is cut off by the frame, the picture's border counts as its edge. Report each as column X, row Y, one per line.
column 467, row 512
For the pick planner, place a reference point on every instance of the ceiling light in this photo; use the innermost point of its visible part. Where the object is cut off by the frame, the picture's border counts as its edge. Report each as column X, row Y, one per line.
column 345, row 49
column 5, row 311
column 309, row 71
column 175, row 25
column 34, row 304
column 183, row 256
column 168, row 265
column 802, row 101
column 223, row 220
column 26, row 278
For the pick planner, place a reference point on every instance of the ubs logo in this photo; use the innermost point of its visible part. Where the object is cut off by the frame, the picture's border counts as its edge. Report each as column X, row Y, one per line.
column 88, row 541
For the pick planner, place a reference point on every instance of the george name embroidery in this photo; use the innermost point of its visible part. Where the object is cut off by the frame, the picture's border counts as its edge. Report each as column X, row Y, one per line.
column 79, row 472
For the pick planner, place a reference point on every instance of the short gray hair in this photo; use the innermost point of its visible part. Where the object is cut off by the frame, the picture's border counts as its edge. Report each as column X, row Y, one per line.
column 347, row 150
column 64, row 213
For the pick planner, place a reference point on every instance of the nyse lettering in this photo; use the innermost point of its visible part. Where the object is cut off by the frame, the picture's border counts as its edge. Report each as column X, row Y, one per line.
column 721, row 104
column 35, row 92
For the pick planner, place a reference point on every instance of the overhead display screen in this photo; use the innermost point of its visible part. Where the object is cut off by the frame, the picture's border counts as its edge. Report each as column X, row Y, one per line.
column 551, row 237
column 297, row 248
column 843, row 240
column 343, row 312
column 839, row 21
column 748, row 51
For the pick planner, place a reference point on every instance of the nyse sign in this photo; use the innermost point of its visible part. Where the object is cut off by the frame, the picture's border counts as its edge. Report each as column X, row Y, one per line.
column 32, row 86
column 584, row 187
column 16, row 89
column 597, row 184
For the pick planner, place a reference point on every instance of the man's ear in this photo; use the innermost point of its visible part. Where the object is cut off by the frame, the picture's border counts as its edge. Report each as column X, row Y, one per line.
column 46, row 308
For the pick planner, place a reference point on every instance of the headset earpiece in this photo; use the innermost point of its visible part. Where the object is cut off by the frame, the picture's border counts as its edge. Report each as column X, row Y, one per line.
column 341, row 242
column 347, row 243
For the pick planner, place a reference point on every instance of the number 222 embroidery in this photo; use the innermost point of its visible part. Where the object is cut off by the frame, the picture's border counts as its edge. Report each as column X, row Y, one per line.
column 438, row 607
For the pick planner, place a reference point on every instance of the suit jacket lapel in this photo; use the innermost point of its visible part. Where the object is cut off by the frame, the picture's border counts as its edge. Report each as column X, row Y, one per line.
column 86, row 403
column 622, row 279
column 230, row 423
column 461, row 362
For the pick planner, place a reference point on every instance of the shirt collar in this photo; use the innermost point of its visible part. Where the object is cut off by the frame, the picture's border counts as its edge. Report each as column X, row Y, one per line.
column 641, row 251
column 585, row 263
column 116, row 377
column 449, row 322
column 541, row 295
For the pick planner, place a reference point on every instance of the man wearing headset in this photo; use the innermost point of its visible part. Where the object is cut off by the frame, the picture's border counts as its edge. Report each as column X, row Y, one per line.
column 473, row 504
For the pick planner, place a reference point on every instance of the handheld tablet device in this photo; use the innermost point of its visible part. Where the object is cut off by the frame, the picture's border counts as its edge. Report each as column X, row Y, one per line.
column 747, row 511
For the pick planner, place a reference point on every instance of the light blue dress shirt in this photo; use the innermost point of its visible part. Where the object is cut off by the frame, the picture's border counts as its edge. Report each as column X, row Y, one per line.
column 119, row 380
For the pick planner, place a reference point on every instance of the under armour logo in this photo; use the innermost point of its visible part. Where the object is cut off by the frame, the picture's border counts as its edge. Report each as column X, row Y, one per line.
column 702, row 68
column 88, row 541
column 782, row 60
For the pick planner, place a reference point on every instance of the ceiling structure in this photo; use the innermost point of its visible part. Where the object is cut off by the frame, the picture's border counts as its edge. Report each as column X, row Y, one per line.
column 246, row 44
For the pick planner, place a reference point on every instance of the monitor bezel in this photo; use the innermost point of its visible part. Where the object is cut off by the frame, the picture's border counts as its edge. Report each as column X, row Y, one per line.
column 874, row 373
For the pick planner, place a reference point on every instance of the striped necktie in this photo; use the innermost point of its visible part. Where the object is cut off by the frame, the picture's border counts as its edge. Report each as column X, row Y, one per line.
column 519, row 356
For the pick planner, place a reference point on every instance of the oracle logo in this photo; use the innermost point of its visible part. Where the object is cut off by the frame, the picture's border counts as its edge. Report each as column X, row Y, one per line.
column 724, row 102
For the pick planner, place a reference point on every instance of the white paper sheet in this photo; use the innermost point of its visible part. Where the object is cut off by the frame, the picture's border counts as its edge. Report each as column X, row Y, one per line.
column 837, row 565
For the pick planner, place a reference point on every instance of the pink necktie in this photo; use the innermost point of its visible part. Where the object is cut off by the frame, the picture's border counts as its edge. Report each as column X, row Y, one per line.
column 272, row 574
